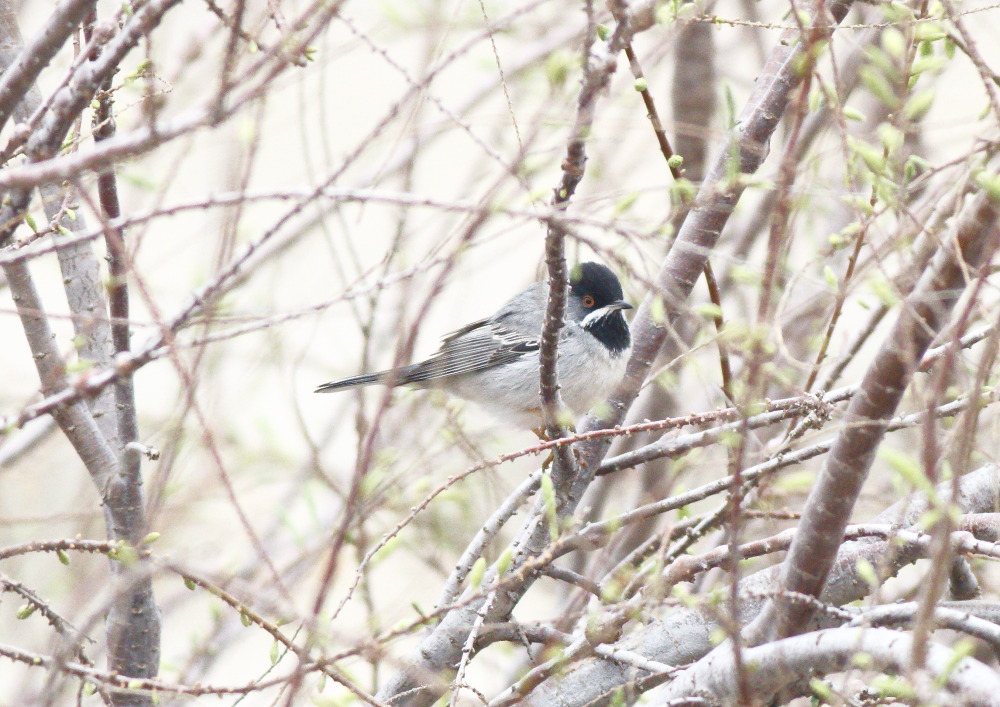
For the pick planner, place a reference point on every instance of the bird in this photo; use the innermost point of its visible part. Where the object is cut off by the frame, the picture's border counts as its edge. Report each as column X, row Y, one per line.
column 494, row 362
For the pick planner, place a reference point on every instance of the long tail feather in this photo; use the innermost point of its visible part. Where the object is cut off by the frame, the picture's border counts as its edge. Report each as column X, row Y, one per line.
column 352, row 382
column 400, row 376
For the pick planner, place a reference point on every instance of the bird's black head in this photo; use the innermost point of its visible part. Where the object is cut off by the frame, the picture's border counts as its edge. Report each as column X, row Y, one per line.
column 596, row 303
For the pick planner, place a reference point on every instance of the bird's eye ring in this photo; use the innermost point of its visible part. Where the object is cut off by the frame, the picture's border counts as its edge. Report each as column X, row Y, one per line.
column 588, row 301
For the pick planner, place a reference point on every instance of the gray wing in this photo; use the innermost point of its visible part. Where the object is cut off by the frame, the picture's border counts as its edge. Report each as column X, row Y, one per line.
column 507, row 336
column 477, row 347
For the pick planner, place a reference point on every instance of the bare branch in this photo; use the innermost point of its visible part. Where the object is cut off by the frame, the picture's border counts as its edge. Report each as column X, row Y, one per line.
column 781, row 663
column 924, row 313
column 33, row 57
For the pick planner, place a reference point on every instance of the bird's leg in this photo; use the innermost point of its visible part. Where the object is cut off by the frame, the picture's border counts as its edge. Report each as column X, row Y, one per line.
column 543, row 437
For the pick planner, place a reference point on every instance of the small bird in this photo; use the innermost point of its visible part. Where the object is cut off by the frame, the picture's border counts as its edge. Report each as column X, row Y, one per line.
column 494, row 362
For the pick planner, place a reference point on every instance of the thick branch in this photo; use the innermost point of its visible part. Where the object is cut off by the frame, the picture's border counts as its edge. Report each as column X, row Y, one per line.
column 777, row 665
column 832, row 498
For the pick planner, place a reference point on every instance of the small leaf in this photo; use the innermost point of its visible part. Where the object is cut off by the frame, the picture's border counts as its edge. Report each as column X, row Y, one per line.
column 880, row 87
column 885, row 292
column 640, row 84
column 961, row 650
column 862, row 660
column 867, row 573
column 894, row 687
column 274, row 653
column 557, row 69
column 870, row 155
column 949, row 47
column 854, row 114
column 477, row 572
column 928, row 32
column 990, row 182
column 682, row 191
column 891, row 136
column 709, row 310
column 625, row 203
column 504, row 562
column 822, row 691
column 907, row 467
column 927, row 64
column 893, row 42
column 796, row 480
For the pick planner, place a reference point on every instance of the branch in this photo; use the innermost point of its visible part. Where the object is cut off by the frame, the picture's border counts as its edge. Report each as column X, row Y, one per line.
column 828, row 508
column 77, row 262
column 784, row 662
column 685, row 635
column 46, row 139
column 125, row 416
column 133, row 625
column 599, row 66
column 977, row 619
column 21, row 72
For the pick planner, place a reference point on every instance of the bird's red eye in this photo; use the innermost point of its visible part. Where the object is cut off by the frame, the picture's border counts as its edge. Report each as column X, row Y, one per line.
column 588, row 301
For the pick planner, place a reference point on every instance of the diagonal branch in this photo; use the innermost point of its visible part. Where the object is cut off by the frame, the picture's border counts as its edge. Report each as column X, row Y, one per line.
column 21, row 73
column 924, row 312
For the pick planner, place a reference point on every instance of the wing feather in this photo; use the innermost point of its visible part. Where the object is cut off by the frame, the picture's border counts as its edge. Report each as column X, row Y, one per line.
column 477, row 347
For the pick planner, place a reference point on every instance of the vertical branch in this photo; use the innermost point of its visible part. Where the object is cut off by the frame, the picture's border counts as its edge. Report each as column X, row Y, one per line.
column 599, row 65
column 118, row 298
column 594, row 79
column 125, row 634
column 555, row 312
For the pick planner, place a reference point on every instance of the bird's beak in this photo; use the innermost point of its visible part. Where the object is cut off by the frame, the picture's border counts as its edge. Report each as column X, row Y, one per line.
column 620, row 304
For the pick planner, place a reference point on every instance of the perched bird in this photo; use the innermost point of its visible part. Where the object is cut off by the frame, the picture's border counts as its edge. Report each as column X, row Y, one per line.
column 494, row 362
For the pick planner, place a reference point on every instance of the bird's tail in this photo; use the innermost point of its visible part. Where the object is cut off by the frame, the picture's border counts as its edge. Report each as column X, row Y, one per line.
column 398, row 376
